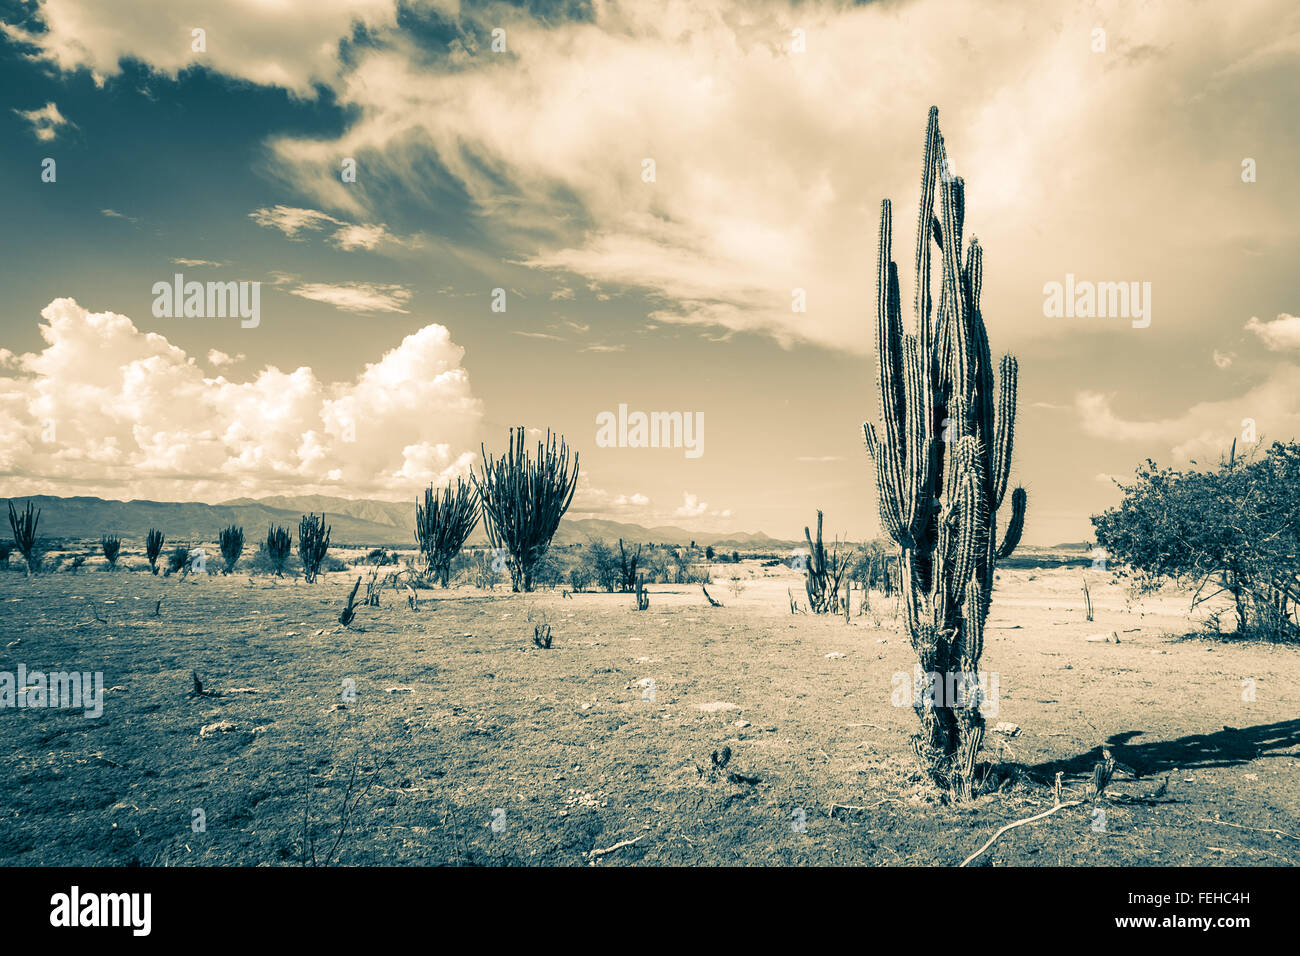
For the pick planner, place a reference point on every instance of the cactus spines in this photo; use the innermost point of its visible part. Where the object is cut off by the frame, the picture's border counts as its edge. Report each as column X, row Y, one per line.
column 942, row 461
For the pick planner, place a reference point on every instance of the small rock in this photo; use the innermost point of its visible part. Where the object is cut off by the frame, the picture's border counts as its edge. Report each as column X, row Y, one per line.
column 397, row 690
column 1009, row 729
column 220, row 727
column 741, row 724
column 713, row 706
column 834, row 655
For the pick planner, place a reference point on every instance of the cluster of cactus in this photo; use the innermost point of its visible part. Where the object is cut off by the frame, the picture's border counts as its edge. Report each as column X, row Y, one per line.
column 111, row 545
column 231, row 541
column 313, row 544
column 627, row 567
column 24, row 528
column 153, row 544
column 443, row 523
column 823, row 573
column 523, row 500
column 277, row 546
column 942, row 465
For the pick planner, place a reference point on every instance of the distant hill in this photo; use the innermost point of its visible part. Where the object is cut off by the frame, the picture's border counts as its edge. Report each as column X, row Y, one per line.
column 354, row 522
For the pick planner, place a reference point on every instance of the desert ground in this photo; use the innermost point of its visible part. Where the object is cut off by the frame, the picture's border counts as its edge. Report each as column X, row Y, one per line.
column 465, row 744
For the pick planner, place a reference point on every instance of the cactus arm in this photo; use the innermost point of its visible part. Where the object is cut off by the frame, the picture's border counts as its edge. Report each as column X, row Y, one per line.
column 1004, row 432
column 1017, row 524
column 925, row 216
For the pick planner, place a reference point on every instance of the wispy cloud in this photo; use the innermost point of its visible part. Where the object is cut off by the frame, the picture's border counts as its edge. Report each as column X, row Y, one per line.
column 195, row 263
column 537, row 335
column 45, row 121
column 294, row 220
column 355, row 296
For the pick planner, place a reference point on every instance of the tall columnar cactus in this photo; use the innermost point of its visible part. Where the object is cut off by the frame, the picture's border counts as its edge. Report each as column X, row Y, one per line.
column 443, row 523
column 942, row 460
column 524, row 499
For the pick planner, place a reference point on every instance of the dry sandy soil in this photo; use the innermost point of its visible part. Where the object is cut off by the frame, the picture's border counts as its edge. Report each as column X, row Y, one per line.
column 460, row 723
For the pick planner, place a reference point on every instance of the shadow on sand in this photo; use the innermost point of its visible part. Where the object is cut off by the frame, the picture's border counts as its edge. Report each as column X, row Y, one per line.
column 1224, row 748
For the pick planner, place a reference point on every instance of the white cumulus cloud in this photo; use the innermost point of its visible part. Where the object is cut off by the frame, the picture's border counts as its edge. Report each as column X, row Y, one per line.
column 1279, row 334
column 105, row 407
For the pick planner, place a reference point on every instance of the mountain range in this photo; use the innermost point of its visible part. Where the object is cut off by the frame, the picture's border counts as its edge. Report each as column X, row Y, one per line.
column 359, row 523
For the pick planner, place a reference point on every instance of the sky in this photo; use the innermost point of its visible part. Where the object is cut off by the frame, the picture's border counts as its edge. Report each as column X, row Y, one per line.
column 647, row 184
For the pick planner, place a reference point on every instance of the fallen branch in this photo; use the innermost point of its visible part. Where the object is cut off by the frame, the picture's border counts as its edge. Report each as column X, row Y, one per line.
column 1240, row 826
column 1012, row 826
column 849, row 806
column 596, row 854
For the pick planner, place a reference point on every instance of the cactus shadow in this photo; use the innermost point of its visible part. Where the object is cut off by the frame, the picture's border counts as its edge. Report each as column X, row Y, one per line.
column 1228, row 747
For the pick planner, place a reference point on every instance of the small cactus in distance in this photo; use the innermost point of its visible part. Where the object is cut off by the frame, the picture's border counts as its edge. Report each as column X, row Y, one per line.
column 24, row 528
column 153, row 544
column 111, row 545
column 231, row 541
